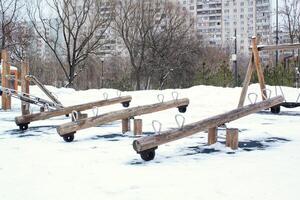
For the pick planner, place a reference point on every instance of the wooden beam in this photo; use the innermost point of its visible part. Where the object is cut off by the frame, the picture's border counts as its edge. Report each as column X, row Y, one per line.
column 25, row 87
column 277, row 47
column 246, row 82
column 44, row 89
column 25, row 119
column 72, row 127
column 151, row 142
column 6, row 99
column 259, row 70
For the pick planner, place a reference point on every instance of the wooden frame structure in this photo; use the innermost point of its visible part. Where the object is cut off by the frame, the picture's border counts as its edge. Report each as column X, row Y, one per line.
column 68, row 130
column 146, row 146
column 255, row 63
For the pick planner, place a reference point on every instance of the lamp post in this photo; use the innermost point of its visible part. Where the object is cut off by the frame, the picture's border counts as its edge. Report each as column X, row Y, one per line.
column 277, row 38
column 102, row 62
column 234, row 59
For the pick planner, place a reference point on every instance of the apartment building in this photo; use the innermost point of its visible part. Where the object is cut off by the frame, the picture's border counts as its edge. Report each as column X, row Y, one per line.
column 217, row 21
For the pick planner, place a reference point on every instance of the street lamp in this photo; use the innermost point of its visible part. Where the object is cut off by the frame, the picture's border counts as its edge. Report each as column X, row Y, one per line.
column 234, row 59
column 102, row 61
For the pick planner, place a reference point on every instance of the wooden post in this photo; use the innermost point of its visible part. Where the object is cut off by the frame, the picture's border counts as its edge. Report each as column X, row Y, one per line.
column 232, row 135
column 259, row 70
column 125, row 125
column 70, row 127
column 25, row 87
column 138, row 127
column 246, row 82
column 212, row 135
column 150, row 142
column 6, row 99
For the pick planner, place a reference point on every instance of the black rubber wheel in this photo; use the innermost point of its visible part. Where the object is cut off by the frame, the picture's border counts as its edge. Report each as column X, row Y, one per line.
column 1, row 92
column 148, row 155
column 126, row 104
column 23, row 127
column 275, row 109
column 182, row 109
column 68, row 138
column 67, row 115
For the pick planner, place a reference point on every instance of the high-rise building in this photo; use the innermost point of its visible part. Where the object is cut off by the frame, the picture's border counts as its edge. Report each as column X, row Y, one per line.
column 221, row 22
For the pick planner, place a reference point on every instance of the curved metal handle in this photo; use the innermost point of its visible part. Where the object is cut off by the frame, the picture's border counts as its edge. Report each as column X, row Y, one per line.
column 75, row 115
column 175, row 95
column 268, row 93
column 95, row 110
column 160, row 98
column 119, row 93
column 180, row 125
column 156, row 123
column 105, row 95
column 250, row 99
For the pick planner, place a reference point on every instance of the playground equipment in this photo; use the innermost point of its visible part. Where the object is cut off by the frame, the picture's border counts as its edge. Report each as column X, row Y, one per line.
column 146, row 146
column 24, row 120
column 254, row 63
column 43, row 88
column 68, row 130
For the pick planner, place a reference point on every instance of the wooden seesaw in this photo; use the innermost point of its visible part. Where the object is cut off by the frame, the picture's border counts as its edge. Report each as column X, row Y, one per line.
column 68, row 130
column 146, row 146
column 24, row 120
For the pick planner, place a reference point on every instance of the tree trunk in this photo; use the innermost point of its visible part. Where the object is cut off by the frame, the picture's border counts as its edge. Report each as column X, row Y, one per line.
column 138, row 79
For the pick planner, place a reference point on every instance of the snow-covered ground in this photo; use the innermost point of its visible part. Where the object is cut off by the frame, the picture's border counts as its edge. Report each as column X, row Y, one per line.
column 101, row 164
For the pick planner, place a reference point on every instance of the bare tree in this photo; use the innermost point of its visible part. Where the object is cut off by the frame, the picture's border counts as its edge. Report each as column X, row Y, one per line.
column 77, row 30
column 291, row 13
column 9, row 15
column 170, row 43
column 151, row 31
column 22, row 39
column 131, row 26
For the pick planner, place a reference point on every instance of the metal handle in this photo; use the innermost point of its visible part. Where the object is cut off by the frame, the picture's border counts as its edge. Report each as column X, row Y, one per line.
column 268, row 93
column 74, row 115
column 175, row 95
column 105, row 95
column 160, row 98
column 250, row 99
column 119, row 93
column 180, row 125
column 95, row 110
column 156, row 123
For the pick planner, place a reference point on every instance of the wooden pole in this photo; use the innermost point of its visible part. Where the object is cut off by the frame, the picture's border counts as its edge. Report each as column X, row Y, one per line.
column 138, row 127
column 246, row 83
column 150, row 142
column 259, row 70
column 44, row 89
column 25, row 119
column 6, row 99
column 212, row 135
column 25, row 87
column 68, row 128
column 232, row 135
column 125, row 125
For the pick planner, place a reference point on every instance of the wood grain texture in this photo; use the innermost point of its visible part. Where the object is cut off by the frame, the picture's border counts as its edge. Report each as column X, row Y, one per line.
column 117, row 115
column 67, row 110
column 153, row 141
column 25, row 106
